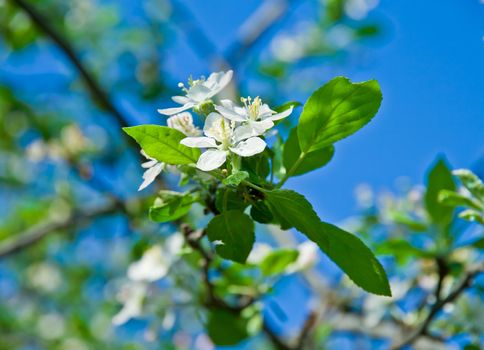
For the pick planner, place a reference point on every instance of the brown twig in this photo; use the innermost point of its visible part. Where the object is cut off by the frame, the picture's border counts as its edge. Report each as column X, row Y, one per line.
column 423, row 329
column 276, row 341
column 193, row 239
column 306, row 329
column 256, row 27
column 38, row 232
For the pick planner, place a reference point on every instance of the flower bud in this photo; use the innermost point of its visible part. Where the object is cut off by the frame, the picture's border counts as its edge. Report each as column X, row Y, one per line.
column 205, row 108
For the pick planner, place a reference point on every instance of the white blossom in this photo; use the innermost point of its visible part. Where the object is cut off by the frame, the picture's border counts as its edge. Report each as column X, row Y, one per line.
column 156, row 261
column 256, row 117
column 153, row 265
column 376, row 307
column 199, row 91
column 132, row 296
column 183, row 122
column 307, row 257
column 153, row 169
column 258, row 253
column 221, row 138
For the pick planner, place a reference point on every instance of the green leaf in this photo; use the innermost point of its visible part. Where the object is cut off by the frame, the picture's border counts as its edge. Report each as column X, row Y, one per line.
column 335, row 10
column 234, row 231
column 471, row 182
column 472, row 215
column 277, row 161
column 479, row 244
column 439, row 178
column 276, row 262
column 402, row 250
column 454, row 199
column 261, row 213
column 227, row 328
column 366, row 31
column 406, row 220
column 297, row 163
column 171, row 206
column 356, row 260
column 231, row 198
column 236, row 178
column 163, row 144
column 291, row 209
column 337, row 110
column 257, row 166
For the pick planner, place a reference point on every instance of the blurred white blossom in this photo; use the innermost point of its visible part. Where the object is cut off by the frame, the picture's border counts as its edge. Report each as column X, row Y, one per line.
column 132, row 296
column 307, row 257
column 156, row 261
column 375, row 307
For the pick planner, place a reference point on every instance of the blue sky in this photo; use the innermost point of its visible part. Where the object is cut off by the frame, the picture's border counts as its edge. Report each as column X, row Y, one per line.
column 430, row 65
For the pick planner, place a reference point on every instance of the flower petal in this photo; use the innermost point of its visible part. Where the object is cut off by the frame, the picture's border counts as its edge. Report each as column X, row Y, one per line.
column 227, row 103
column 132, row 297
column 211, row 159
column 181, row 99
column 217, row 81
column 281, row 115
column 150, row 175
column 265, row 111
column 249, row 147
column 199, row 93
column 149, row 164
column 152, row 266
column 176, row 110
column 231, row 114
column 200, row 142
column 251, row 129
column 217, row 127
column 243, row 132
column 143, row 153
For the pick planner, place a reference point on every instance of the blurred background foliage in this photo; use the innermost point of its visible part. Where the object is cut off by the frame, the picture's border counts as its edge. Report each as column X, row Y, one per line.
column 71, row 220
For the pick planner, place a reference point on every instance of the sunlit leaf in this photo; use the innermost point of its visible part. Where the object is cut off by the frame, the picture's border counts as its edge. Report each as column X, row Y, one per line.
column 163, row 144
column 336, row 110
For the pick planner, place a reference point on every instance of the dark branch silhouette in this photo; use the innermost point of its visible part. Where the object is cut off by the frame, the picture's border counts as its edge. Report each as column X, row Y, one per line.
column 94, row 87
column 36, row 233
column 423, row 329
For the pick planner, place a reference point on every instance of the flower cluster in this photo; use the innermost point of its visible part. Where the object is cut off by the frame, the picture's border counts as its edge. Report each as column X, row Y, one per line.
column 230, row 130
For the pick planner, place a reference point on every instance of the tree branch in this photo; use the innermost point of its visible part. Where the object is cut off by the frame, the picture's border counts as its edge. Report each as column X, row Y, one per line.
column 437, row 307
column 38, row 232
column 193, row 240
column 256, row 27
column 94, row 87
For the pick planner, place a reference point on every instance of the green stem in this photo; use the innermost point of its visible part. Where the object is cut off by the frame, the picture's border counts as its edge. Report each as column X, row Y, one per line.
column 292, row 170
column 235, row 163
column 225, row 200
column 250, row 184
